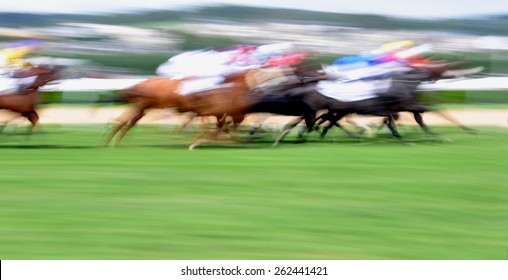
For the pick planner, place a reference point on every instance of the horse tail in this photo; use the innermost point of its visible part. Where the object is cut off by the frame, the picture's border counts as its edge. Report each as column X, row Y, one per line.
column 120, row 97
column 116, row 98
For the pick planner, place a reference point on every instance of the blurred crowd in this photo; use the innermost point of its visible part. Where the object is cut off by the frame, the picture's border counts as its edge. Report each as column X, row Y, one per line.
column 204, row 69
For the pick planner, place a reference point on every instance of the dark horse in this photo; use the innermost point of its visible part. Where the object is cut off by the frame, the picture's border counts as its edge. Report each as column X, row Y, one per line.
column 400, row 97
column 25, row 99
column 299, row 100
column 305, row 100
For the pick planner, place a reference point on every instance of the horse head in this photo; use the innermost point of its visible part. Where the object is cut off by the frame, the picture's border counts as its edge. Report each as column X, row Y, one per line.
column 446, row 70
column 436, row 68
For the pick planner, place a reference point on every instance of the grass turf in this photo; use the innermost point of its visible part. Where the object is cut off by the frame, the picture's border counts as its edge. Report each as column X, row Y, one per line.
column 65, row 197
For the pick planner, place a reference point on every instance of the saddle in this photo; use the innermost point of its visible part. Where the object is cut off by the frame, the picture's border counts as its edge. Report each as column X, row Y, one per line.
column 268, row 77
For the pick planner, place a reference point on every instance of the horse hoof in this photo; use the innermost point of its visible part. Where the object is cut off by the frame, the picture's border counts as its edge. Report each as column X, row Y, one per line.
column 370, row 133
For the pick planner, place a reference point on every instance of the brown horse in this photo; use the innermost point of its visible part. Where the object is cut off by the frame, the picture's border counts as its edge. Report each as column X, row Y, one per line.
column 25, row 99
column 227, row 100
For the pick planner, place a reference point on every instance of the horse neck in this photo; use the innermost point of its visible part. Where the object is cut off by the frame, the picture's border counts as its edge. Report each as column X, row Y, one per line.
column 410, row 80
column 41, row 80
column 42, row 76
column 401, row 87
column 22, row 73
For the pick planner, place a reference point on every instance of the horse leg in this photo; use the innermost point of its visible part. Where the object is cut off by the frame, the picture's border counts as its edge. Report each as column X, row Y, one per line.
column 129, row 125
column 113, row 132
column 320, row 120
column 200, row 139
column 4, row 122
column 186, row 123
column 332, row 119
column 309, row 119
column 257, row 125
column 204, row 126
column 214, row 136
column 287, row 129
column 393, row 117
column 364, row 129
column 262, row 117
column 349, row 133
column 221, row 125
column 229, row 124
column 33, row 118
column 234, row 122
column 453, row 120
column 391, row 126
column 120, row 121
column 197, row 143
column 419, row 121
column 237, row 120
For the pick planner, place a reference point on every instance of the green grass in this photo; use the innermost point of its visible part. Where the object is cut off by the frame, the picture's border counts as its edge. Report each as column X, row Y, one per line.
column 65, row 197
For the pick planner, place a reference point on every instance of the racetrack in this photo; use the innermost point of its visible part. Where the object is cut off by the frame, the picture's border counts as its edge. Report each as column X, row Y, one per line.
column 64, row 196
column 84, row 115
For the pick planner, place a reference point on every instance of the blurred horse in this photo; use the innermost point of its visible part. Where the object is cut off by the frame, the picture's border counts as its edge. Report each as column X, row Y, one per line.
column 400, row 97
column 229, row 99
column 305, row 100
column 233, row 99
column 24, row 99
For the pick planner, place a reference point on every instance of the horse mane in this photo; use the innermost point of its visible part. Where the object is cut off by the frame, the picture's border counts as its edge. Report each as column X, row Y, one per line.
column 33, row 70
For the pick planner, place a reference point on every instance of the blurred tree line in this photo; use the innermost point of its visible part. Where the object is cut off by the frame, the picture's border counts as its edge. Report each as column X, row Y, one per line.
column 493, row 25
column 145, row 64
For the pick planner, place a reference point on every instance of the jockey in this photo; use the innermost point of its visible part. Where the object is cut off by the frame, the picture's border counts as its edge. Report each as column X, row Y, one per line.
column 11, row 57
column 364, row 76
column 9, row 85
column 394, row 46
column 204, row 69
column 390, row 58
column 10, row 61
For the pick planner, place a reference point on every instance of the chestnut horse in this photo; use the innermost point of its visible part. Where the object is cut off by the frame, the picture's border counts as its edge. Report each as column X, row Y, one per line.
column 25, row 99
column 229, row 99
